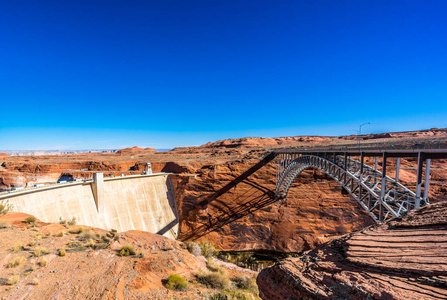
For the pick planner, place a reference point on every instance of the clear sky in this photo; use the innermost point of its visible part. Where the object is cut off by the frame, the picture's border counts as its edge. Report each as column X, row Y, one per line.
column 116, row 73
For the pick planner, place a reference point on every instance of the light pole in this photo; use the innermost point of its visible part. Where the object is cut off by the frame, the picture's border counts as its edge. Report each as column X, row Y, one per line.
column 360, row 131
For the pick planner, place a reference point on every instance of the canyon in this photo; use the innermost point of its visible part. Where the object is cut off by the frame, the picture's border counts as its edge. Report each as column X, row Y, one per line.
column 316, row 211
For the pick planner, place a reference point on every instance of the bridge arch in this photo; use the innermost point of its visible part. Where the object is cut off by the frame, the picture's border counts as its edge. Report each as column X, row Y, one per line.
column 363, row 183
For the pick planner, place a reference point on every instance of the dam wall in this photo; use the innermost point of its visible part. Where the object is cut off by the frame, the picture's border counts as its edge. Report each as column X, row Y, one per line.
column 143, row 202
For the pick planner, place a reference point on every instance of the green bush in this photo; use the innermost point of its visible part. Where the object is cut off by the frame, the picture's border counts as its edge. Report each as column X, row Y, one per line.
column 176, row 282
column 30, row 219
column 127, row 250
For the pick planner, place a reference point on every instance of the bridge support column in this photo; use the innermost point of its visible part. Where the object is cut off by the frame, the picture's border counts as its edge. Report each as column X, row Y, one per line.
column 361, row 175
column 419, row 180
column 382, row 188
column 397, row 176
column 98, row 191
column 427, row 179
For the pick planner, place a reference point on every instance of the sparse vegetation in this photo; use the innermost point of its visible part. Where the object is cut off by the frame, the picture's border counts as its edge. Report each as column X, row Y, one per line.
column 17, row 247
column 176, row 282
column 87, row 235
column 5, row 207
column 4, row 224
column 246, row 283
column 217, row 280
column 31, row 220
column 73, row 221
column 90, row 243
column 62, row 252
column 62, row 221
column 60, row 234
column 43, row 262
column 193, row 248
column 13, row 279
column 35, row 281
column 77, row 230
column 127, row 250
column 29, row 271
column 16, row 262
column 40, row 251
column 211, row 265
column 229, row 294
column 207, row 248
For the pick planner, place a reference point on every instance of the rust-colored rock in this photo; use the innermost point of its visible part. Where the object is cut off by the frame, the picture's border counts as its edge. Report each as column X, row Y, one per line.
column 401, row 259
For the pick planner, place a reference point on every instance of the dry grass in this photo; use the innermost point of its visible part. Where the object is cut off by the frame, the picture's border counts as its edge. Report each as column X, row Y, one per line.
column 216, row 280
column 62, row 252
column 40, row 251
column 4, row 224
column 17, row 247
column 76, row 230
column 13, row 279
column 87, row 235
column 16, row 262
column 35, row 281
column 43, row 262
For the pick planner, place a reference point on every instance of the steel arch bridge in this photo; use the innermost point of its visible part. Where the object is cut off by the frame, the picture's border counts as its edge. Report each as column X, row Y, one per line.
column 382, row 196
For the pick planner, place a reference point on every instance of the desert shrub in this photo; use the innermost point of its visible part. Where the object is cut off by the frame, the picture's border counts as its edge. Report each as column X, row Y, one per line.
column 62, row 252
column 5, row 207
column 105, row 239
column 30, row 219
column 217, row 280
column 207, row 248
column 29, row 271
column 246, row 282
column 74, row 244
column 35, row 281
column 60, row 234
column 40, row 251
column 62, row 221
column 73, row 221
column 17, row 247
column 90, row 243
column 127, row 250
column 77, row 230
column 176, row 282
column 193, row 248
column 16, row 262
column 87, row 235
column 13, row 279
column 234, row 295
column 4, row 224
column 43, row 262
column 211, row 265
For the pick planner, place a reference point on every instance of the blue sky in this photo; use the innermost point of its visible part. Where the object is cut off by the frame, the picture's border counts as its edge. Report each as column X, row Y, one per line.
column 110, row 74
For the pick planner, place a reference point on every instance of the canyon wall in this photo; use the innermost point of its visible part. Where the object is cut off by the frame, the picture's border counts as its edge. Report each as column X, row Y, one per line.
column 143, row 202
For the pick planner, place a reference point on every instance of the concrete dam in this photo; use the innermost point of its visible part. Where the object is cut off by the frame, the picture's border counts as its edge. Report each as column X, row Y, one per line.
column 143, row 202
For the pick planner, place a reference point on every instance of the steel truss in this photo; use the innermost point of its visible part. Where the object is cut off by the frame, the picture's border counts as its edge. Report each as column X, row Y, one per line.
column 381, row 196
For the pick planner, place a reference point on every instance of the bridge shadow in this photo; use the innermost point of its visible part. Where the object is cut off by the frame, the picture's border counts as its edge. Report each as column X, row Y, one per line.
column 225, row 211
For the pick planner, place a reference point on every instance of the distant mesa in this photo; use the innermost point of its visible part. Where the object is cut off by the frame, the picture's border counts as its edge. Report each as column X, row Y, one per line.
column 134, row 150
column 3, row 155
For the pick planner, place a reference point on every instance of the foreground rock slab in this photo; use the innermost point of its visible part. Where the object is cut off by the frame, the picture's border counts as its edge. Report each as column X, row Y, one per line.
column 405, row 258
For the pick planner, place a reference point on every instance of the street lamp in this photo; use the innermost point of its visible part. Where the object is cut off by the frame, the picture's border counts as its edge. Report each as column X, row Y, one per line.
column 360, row 131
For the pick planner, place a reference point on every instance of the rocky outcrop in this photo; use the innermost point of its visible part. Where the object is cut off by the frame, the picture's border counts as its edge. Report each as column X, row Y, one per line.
column 404, row 258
